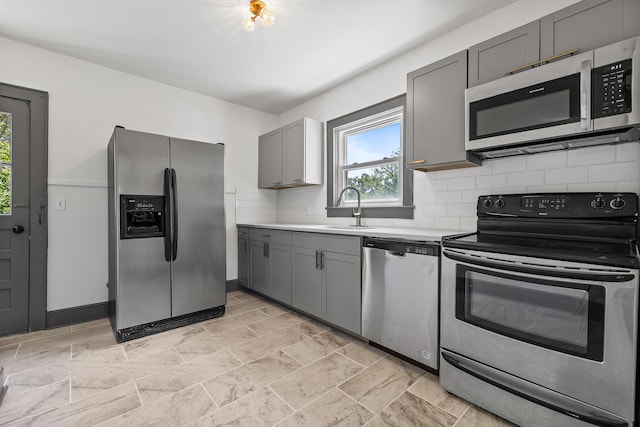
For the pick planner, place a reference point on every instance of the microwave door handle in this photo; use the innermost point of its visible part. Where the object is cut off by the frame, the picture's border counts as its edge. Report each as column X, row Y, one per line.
column 585, row 99
column 531, row 392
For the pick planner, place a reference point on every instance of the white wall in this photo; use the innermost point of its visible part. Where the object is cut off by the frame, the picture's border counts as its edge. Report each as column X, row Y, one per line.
column 86, row 101
column 447, row 199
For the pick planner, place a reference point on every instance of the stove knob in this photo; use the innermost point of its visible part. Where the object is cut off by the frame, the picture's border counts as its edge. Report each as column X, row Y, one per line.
column 499, row 203
column 487, row 203
column 598, row 203
column 618, row 203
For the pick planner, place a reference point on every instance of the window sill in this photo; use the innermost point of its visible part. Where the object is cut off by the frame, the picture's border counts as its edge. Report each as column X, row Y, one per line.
column 403, row 212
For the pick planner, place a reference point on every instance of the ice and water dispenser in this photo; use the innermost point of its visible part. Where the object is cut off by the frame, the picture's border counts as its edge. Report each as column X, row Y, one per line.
column 141, row 216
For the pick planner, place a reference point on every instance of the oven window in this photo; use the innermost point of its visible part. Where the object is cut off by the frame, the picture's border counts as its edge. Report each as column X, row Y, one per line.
column 566, row 317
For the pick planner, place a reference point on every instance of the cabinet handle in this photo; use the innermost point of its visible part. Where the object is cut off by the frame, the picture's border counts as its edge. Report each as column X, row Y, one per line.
column 317, row 260
column 266, row 235
column 321, row 260
column 298, row 180
column 266, row 250
column 277, row 183
column 416, row 162
column 542, row 61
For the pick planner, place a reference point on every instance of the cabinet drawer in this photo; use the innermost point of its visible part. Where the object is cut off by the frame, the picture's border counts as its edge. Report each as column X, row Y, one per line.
column 243, row 233
column 331, row 243
column 272, row 236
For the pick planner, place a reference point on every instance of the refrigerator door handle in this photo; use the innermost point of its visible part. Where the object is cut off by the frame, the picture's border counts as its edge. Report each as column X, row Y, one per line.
column 168, row 208
column 174, row 184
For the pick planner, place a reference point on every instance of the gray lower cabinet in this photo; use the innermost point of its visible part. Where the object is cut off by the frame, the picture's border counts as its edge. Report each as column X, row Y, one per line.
column 491, row 59
column 244, row 257
column 259, row 278
column 342, row 291
column 306, row 293
column 588, row 25
column 270, row 263
column 280, row 272
column 435, row 116
column 326, row 278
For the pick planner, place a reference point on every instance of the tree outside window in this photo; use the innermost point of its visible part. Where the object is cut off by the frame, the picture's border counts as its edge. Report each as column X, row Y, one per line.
column 5, row 164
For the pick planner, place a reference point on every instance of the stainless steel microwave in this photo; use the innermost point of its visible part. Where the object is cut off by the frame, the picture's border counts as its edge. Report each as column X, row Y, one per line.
column 589, row 98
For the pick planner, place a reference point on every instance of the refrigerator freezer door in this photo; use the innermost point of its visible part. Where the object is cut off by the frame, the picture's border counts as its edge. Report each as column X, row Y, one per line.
column 143, row 285
column 199, row 270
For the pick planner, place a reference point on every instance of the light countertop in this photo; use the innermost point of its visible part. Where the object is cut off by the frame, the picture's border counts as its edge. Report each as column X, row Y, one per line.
column 418, row 234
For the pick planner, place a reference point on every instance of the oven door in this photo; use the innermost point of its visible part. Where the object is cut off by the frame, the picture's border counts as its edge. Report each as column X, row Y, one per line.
column 567, row 327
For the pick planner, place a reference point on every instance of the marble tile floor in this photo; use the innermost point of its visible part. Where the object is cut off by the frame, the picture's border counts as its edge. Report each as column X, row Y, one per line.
column 259, row 365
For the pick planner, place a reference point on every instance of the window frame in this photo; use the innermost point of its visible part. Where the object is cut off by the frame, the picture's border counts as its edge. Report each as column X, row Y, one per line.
column 370, row 117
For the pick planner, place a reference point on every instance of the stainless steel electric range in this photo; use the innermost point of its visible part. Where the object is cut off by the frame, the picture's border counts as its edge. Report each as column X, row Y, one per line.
column 539, row 309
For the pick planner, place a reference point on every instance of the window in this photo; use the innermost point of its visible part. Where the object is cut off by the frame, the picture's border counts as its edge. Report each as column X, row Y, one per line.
column 366, row 151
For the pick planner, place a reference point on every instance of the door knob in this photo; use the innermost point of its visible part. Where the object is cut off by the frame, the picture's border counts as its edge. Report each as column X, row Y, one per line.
column 17, row 229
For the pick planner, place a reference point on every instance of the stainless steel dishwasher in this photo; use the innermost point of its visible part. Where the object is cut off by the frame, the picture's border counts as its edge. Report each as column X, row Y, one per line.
column 400, row 297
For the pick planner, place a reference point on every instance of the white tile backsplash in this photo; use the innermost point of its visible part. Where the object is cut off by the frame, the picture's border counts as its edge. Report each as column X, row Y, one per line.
column 591, row 156
column 255, row 206
column 518, row 179
column 566, row 175
column 447, row 199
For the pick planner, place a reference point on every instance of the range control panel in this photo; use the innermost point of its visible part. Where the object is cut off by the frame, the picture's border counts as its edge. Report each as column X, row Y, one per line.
column 559, row 205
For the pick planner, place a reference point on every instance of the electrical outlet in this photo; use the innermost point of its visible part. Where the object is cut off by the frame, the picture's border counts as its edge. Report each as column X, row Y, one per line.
column 61, row 204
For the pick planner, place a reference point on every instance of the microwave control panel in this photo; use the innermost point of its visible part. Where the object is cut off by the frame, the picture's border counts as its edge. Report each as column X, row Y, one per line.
column 611, row 89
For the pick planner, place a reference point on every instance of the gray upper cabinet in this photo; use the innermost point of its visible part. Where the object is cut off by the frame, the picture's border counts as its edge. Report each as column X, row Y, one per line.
column 291, row 156
column 435, row 116
column 588, row 25
column 270, row 159
column 491, row 59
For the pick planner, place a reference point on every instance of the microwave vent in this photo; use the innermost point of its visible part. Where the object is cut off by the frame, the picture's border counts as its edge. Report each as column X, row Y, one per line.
column 566, row 143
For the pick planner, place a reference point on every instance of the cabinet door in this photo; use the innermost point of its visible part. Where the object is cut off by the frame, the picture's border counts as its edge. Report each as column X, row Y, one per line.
column 270, row 159
column 342, row 291
column 586, row 25
column 243, row 262
column 435, row 112
column 306, row 292
column 489, row 60
column 293, row 153
column 280, row 269
column 259, row 278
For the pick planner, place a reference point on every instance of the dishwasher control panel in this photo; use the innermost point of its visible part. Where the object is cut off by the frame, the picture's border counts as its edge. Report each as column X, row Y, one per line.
column 402, row 247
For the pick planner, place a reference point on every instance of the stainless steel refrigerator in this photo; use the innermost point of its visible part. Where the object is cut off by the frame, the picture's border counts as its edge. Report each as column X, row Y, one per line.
column 167, row 235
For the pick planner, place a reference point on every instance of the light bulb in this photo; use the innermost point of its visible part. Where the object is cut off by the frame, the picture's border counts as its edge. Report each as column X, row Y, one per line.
column 267, row 17
column 248, row 24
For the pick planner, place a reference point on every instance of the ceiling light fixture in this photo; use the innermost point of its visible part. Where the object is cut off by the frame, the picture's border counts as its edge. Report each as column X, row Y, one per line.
column 258, row 8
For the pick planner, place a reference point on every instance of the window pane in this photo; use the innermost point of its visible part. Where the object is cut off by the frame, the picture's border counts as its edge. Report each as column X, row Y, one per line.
column 5, row 190
column 376, row 183
column 374, row 144
column 5, row 164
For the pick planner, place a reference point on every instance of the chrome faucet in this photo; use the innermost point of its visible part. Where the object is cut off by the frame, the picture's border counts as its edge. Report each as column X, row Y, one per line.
column 356, row 211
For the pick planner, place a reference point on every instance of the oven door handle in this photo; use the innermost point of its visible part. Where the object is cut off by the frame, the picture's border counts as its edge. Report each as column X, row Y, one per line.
column 533, row 392
column 592, row 276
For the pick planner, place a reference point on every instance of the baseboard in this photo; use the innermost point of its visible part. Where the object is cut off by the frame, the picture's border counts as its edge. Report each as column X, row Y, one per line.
column 85, row 313
column 232, row 285
column 73, row 315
